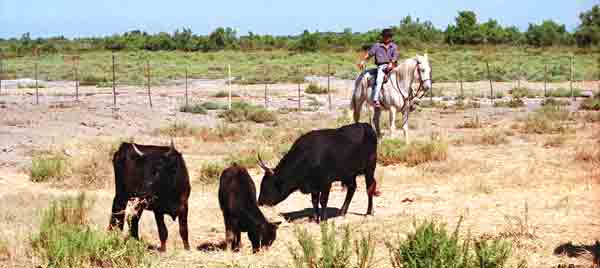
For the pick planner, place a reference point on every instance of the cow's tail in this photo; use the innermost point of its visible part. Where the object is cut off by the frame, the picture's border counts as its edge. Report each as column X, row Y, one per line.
column 372, row 190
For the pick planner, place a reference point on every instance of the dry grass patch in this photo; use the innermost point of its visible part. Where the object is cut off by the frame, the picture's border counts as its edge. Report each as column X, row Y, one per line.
column 210, row 172
column 556, row 140
column 473, row 122
column 47, row 167
column 590, row 153
column 242, row 111
column 222, row 133
column 512, row 103
column 395, row 151
column 491, row 137
column 547, row 120
column 177, row 129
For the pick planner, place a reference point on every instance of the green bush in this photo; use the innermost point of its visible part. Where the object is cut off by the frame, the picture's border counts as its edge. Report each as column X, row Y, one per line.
column 44, row 168
column 333, row 251
column 564, row 93
column 65, row 240
column 193, row 109
column 209, row 105
column 313, row 88
column 431, row 246
column 224, row 94
column 395, row 151
column 242, row 111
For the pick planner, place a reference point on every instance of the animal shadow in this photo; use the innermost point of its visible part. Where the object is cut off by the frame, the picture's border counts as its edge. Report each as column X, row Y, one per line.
column 307, row 213
column 577, row 250
column 212, row 246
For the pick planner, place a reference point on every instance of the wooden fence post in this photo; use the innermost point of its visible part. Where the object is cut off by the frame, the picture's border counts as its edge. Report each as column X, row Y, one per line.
column 265, row 82
column 148, row 83
column 113, row 81
column 37, row 101
column 487, row 66
column 329, row 84
column 460, row 78
column 186, row 87
column 545, row 80
column 571, row 76
column 229, row 85
column 76, row 78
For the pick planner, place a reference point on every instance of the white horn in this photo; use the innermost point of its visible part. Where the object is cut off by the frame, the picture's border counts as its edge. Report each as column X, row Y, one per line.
column 135, row 148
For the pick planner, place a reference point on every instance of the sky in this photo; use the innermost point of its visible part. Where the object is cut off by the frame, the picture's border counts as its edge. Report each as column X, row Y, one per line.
column 79, row 18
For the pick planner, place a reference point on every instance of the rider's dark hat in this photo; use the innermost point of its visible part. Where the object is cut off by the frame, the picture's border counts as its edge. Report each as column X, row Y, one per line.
column 387, row 33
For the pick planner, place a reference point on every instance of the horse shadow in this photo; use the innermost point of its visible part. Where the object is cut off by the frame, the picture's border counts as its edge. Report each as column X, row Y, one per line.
column 307, row 213
column 577, row 250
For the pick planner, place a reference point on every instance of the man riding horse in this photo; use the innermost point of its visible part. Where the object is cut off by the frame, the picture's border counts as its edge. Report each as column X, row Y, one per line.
column 386, row 58
column 398, row 94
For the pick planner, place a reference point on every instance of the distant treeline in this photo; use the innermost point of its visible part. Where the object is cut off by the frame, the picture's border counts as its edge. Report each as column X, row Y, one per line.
column 467, row 30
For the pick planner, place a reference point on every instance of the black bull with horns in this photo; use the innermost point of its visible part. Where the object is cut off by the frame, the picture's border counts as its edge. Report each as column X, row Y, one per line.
column 157, row 177
column 316, row 160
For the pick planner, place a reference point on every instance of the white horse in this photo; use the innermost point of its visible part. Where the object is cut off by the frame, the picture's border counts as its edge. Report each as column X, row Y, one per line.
column 397, row 94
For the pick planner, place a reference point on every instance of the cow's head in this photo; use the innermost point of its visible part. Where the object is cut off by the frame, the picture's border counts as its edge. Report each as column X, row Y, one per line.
column 271, row 191
column 158, row 170
column 268, row 233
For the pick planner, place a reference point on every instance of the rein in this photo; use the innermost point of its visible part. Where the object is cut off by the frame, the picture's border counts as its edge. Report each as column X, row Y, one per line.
column 396, row 85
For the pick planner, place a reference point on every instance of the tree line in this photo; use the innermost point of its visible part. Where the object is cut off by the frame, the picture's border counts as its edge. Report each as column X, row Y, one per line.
column 466, row 30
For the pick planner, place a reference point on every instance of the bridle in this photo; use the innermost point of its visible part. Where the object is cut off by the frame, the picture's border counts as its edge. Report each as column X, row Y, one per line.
column 420, row 78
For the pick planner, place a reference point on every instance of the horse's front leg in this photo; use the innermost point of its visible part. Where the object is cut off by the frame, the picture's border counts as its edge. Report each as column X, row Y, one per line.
column 405, row 125
column 392, row 119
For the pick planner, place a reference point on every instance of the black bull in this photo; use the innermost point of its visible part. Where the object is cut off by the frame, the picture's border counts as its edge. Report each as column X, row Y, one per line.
column 158, row 176
column 319, row 158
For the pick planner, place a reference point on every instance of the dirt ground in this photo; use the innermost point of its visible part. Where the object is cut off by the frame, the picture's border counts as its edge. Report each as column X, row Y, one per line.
column 541, row 193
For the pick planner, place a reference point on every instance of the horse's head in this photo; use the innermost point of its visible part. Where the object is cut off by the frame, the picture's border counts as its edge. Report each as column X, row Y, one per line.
column 423, row 73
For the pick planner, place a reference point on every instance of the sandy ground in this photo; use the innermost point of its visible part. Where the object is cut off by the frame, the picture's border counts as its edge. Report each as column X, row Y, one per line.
column 522, row 186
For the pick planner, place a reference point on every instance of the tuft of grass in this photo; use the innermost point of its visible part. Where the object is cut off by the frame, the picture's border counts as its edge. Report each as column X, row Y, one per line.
column 313, row 88
column 91, row 80
column 522, row 92
column 547, row 120
column 209, row 172
column 332, row 251
column 432, row 246
column 512, row 103
column 222, row 133
column 492, row 137
column 242, row 111
column 474, row 122
column 65, row 239
column 395, row 151
column 555, row 102
column 193, row 109
column 178, row 129
column 248, row 158
column 44, row 168
column 30, row 85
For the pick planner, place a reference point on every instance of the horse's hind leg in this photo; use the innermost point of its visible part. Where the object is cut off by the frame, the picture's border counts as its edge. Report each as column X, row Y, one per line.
column 357, row 106
column 376, row 116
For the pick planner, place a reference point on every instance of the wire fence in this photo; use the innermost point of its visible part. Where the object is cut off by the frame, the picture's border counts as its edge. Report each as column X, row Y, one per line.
column 571, row 76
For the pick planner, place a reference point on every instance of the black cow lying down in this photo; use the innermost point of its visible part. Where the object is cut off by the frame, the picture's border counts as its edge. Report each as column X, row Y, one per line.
column 156, row 175
column 237, row 198
column 319, row 158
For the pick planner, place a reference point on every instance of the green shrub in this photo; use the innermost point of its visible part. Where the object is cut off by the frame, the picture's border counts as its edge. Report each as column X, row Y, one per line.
column 224, row 94
column 512, row 103
column 193, row 109
column 44, row 168
column 333, row 251
column 65, row 240
column 522, row 92
column 90, row 80
column 210, row 172
column 313, row 88
column 564, row 93
column 395, row 151
column 242, row 111
column 431, row 246
column 209, row 105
